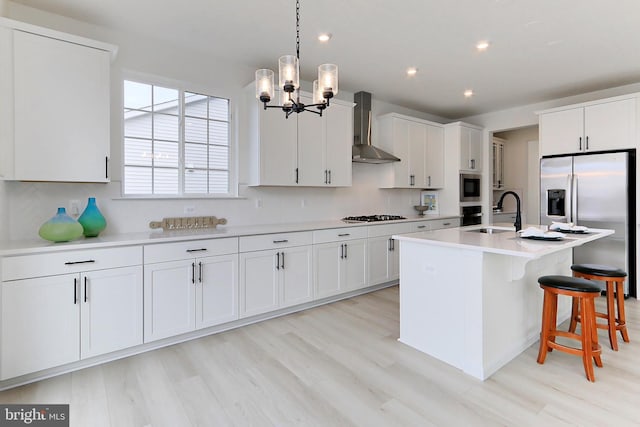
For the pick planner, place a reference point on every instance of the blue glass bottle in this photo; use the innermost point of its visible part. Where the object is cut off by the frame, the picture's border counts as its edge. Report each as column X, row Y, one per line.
column 91, row 219
column 60, row 228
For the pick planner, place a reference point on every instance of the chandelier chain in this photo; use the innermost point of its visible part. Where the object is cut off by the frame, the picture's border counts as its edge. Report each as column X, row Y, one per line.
column 298, row 29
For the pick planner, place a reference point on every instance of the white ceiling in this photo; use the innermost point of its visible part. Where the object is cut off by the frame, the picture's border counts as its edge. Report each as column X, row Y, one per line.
column 540, row 49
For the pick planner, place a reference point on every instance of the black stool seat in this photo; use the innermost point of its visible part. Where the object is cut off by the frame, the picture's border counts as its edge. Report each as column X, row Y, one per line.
column 568, row 283
column 599, row 270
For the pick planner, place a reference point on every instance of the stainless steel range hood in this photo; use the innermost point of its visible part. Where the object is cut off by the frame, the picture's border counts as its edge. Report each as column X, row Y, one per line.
column 362, row 150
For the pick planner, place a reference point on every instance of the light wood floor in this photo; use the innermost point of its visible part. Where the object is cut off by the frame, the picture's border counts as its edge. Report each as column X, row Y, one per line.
column 341, row 365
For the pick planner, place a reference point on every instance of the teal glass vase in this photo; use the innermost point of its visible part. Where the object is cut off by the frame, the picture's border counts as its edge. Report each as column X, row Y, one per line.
column 92, row 220
column 60, row 228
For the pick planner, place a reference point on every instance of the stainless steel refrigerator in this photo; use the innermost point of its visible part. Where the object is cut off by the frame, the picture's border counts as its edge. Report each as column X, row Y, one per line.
column 595, row 191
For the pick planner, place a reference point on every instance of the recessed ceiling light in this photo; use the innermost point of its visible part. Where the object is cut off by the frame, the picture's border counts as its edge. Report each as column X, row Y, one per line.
column 412, row 71
column 482, row 45
column 468, row 93
column 324, row 37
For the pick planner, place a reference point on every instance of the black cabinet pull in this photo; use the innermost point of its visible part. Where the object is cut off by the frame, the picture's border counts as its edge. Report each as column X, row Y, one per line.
column 586, row 143
column 200, row 272
column 282, row 264
column 193, row 272
column 80, row 262
column 75, row 290
column 446, row 223
column 326, row 177
column 281, row 241
column 393, row 245
column 329, row 176
column 580, row 143
column 344, row 234
column 342, row 251
column 278, row 261
column 197, row 250
column 422, row 226
column 296, row 175
column 389, row 248
column 345, row 251
column 85, row 288
column 106, row 167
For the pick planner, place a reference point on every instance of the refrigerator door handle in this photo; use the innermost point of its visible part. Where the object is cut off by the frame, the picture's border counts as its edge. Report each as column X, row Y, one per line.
column 574, row 199
column 568, row 201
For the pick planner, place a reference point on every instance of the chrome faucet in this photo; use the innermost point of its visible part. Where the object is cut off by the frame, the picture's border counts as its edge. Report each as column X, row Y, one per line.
column 518, row 222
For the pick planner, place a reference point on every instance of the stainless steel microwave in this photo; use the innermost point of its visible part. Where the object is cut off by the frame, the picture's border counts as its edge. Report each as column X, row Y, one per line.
column 470, row 187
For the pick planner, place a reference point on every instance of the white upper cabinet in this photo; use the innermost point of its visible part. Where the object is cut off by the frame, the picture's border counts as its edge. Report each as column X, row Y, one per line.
column 598, row 126
column 470, row 149
column 303, row 150
column 55, row 108
column 419, row 145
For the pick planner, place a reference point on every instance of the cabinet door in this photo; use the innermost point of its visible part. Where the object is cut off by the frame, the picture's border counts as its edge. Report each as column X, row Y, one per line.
column 296, row 284
column 40, row 324
column 561, row 132
column 401, row 169
column 259, row 277
column 169, row 299
column 355, row 264
column 417, row 154
column 70, row 143
column 111, row 310
column 311, row 136
column 278, row 148
column 326, row 266
column 434, row 162
column 216, row 290
column 339, row 139
column 470, row 149
column 610, row 126
column 378, row 253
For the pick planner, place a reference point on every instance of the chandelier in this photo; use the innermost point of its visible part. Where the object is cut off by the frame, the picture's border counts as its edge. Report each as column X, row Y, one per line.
column 289, row 82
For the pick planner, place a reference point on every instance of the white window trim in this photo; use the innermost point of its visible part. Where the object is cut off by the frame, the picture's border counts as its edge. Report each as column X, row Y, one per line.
column 184, row 86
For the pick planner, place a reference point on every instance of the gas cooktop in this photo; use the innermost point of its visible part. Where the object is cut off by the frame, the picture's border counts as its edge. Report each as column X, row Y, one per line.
column 372, row 218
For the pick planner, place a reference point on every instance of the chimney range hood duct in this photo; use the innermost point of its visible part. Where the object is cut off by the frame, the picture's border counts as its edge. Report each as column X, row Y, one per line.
column 362, row 151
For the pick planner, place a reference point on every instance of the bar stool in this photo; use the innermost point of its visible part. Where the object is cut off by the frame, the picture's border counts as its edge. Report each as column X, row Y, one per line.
column 614, row 278
column 586, row 293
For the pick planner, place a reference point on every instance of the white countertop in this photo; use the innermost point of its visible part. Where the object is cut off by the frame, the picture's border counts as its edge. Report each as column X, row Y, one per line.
column 507, row 243
column 19, row 247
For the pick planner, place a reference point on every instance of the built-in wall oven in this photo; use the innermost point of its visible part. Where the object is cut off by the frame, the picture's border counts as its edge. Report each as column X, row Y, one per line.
column 471, row 215
column 469, row 187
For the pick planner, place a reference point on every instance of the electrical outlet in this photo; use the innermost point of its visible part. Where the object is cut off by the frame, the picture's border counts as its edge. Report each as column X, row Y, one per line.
column 258, row 203
column 189, row 209
column 74, row 207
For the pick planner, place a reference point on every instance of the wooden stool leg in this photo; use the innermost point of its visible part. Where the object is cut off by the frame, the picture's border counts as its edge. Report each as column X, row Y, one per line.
column 588, row 311
column 611, row 316
column 621, row 317
column 574, row 314
column 546, row 327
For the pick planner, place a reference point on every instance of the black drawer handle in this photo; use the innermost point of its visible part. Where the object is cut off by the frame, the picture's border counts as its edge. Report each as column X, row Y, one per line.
column 447, row 223
column 80, row 262
column 281, row 241
column 422, row 226
column 344, row 234
column 197, row 250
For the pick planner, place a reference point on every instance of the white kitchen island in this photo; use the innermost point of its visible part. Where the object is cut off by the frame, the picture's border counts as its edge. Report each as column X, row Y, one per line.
column 472, row 299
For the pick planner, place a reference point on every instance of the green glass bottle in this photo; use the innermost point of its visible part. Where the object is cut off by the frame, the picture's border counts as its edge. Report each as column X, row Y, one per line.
column 91, row 219
column 60, row 228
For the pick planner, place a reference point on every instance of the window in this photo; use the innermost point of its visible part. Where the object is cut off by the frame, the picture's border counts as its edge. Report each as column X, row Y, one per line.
column 176, row 143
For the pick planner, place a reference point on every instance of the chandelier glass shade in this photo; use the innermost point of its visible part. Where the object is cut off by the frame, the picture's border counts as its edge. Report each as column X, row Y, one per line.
column 289, row 82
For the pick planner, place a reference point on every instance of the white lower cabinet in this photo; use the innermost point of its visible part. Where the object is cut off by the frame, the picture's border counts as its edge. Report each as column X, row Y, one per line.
column 197, row 291
column 340, row 260
column 384, row 253
column 275, row 272
column 56, row 319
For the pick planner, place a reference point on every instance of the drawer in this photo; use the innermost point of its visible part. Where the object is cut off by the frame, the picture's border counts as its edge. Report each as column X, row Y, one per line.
column 388, row 229
column 50, row 264
column 438, row 224
column 275, row 241
column 163, row 252
column 339, row 234
column 420, row 226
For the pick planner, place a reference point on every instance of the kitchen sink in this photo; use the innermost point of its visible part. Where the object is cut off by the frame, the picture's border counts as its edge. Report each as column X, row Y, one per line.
column 489, row 230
